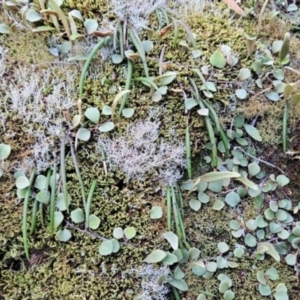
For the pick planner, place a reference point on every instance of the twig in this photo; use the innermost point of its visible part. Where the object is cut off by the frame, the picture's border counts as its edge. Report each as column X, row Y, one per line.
column 93, row 235
column 259, row 159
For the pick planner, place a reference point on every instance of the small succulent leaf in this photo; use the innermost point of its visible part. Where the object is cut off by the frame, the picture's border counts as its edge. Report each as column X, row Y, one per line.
column 155, row 256
column 218, row 60
column 106, row 248
column 63, row 235
column 93, row 114
column 77, row 215
column 156, row 212
column 253, row 132
column 94, row 222
column 4, row 151
column 118, row 233
column 130, row 232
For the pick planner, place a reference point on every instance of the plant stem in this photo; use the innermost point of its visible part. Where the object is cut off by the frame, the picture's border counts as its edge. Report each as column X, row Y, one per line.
column 88, row 204
column 63, row 172
column 25, row 209
column 87, row 64
column 127, row 86
column 52, row 201
column 284, row 127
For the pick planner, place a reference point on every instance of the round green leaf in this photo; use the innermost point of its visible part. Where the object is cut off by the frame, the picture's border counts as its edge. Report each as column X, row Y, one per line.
column 269, row 214
column 118, row 233
column 201, row 297
column 224, row 278
column 196, row 53
column 234, row 225
column 170, row 259
column 291, row 259
column 117, row 58
column 223, row 287
column 238, row 252
column 106, row 110
column 93, row 114
column 223, row 247
column 202, row 197
column 94, row 222
column 281, row 215
column 4, row 151
column 156, row 212
column 60, row 204
column 199, row 268
column 260, row 222
column 218, row 60
column 107, row 127
column 130, row 232
column 106, row 248
column 4, row 29
column 238, row 121
column 253, row 169
column 251, row 224
column 281, row 295
column 244, row 74
column 172, row 238
column 282, row 180
column 22, row 182
column 32, row 15
column 250, row 240
column 77, row 215
column 83, row 134
column 229, row 295
column 40, row 182
column 195, row 204
column 76, row 120
column 155, row 256
column 90, row 25
column 116, row 245
column 232, row 199
column 272, row 273
column 261, row 277
column 179, row 284
column 58, row 218
column 156, row 96
column 193, row 253
column 211, row 266
column 218, row 205
column 283, row 234
column 63, row 235
column 260, row 233
column 253, row 132
column 43, row 196
column 147, row 46
column 273, row 96
column 190, row 103
column 222, row 262
column 241, row 94
column 264, row 290
column 128, row 112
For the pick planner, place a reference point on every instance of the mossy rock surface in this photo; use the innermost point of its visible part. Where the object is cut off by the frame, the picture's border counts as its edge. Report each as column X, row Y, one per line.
column 76, row 269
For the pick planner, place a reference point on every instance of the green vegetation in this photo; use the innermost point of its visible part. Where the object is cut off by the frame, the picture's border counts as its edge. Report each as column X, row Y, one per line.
column 140, row 153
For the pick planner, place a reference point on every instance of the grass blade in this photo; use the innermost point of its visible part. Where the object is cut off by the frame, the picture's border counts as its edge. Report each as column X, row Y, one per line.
column 87, row 64
column 88, row 204
column 284, row 127
column 188, row 152
column 52, row 201
column 24, row 220
column 127, row 86
column 63, row 172
column 169, row 208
